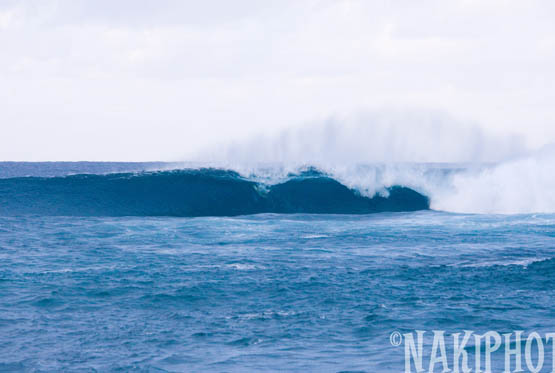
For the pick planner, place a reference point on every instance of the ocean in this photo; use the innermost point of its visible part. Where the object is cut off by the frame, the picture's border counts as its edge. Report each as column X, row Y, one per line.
column 157, row 267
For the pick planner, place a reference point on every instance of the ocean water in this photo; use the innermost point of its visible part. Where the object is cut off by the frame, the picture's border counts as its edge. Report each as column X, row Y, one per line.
column 172, row 284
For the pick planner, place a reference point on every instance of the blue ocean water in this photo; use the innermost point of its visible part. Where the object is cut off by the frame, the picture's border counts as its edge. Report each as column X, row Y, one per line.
column 288, row 291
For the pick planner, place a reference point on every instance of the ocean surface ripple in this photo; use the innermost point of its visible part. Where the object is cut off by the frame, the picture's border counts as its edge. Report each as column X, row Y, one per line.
column 266, row 292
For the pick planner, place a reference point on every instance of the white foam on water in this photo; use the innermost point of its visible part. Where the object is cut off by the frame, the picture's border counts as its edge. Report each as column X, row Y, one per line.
column 458, row 166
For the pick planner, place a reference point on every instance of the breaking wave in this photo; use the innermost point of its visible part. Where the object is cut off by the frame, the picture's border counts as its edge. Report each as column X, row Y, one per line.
column 517, row 186
column 194, row 192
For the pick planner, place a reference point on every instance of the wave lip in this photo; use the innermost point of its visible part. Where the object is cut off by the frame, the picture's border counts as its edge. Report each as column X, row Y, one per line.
column 199, row 192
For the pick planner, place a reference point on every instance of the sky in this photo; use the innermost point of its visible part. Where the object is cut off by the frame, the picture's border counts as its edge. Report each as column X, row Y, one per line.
column 134, row 80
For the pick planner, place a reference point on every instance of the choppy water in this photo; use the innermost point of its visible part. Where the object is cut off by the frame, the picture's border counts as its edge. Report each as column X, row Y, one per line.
column 267, row 292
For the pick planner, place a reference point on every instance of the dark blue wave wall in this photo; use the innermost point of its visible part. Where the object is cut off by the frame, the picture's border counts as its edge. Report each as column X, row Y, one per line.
column 204, row 192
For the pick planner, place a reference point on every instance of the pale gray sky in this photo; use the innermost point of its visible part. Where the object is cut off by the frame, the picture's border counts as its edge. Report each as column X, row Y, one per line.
column 163, row 80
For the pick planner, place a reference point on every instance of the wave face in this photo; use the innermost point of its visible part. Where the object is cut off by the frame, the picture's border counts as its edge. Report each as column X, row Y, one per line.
column 198, row 192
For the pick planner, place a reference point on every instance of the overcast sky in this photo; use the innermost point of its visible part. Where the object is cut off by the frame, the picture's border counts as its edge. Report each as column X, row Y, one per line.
column 163, row 80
